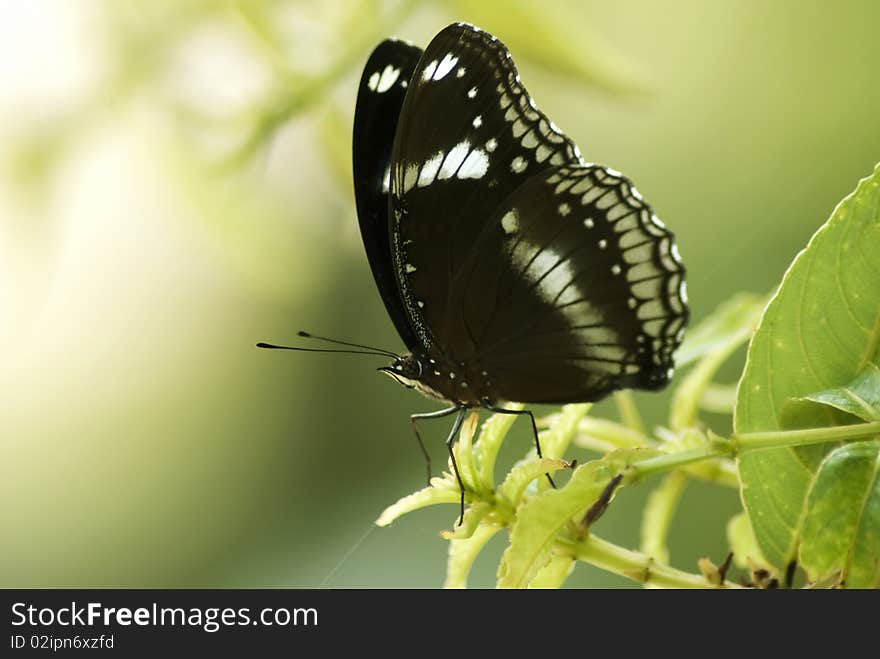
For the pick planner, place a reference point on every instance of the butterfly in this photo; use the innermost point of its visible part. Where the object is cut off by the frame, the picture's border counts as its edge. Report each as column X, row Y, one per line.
column 512, row 269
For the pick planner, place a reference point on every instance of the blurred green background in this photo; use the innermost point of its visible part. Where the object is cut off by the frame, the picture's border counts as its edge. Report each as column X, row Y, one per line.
column 175, row 185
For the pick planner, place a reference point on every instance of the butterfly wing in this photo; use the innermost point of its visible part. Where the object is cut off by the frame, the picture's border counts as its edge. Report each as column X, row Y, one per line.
column 573, row 290
column 469, row 135
column 380, row 98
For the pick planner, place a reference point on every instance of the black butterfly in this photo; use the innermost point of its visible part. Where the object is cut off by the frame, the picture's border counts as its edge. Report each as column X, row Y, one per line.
column 512, row 269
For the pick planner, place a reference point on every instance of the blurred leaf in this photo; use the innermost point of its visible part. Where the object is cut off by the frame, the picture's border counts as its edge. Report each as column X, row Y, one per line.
column 559, row 42
column 732, row 321
column 743, row 543
column 31, row 159
column 511, row 490
column 491, row 437
column 820, row 330
column 555, row 440
column 334, row 134
column 604, row 435
column 841, row 531
column 463, row 552
column 657, row 516
column 540, row 519
column 286, row 101
column 554, row 574
column 712, row 342
column 861, row 397
column 718, row 398
column 628, row 411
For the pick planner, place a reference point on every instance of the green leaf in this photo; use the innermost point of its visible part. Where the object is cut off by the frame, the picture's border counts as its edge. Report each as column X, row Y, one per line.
column 442, row 492
column 462, row 554
column 511, row 490
column 861, row 397
column 469, row 524
column 820, row 331
column 743, row 543
column 554, row 574
column 841, row 531
column 554, row 39
column 540, row 519
column 555, row 440
column 491, row 437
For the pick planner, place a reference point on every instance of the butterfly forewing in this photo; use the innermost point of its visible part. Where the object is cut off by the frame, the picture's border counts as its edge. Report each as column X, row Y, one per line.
column 469, row 135
column 574, row 289
column 382, row 91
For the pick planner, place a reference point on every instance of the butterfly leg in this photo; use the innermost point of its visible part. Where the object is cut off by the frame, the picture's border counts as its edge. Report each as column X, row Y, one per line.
column 428, row 415
column 501, row 410
column 449, row 443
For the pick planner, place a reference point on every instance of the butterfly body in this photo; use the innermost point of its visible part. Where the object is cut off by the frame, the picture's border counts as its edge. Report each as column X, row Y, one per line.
column 461, row 383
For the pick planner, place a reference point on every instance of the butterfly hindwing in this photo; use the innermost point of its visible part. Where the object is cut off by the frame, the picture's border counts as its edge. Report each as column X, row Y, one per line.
column 469, row 135
column 381, row 94
column 574, row 289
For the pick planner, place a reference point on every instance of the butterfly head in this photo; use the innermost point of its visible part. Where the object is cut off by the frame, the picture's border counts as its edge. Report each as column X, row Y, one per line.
column 406, row 370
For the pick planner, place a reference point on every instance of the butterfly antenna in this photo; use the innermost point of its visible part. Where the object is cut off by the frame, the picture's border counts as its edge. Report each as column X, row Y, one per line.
column 272, row 346
column 307, row 335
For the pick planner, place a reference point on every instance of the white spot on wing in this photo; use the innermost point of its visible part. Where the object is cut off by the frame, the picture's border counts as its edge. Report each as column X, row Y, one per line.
column 430, row 169
column 478, row 121
column 410, row 177
column 552, row 276
column 387, row 79
column 564, row 209
column 428, row 73
column 454, row 159
column 373, row 82
column 491, row 145
column 518, row 165
column 472, row 92
column 510, row 222
column 475, row 165
column 445, row 66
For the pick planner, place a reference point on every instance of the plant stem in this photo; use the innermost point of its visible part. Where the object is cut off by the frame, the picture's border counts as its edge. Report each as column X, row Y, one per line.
column 629, row 413
column 637, row 566
column 663, row 463
column 754, row 441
